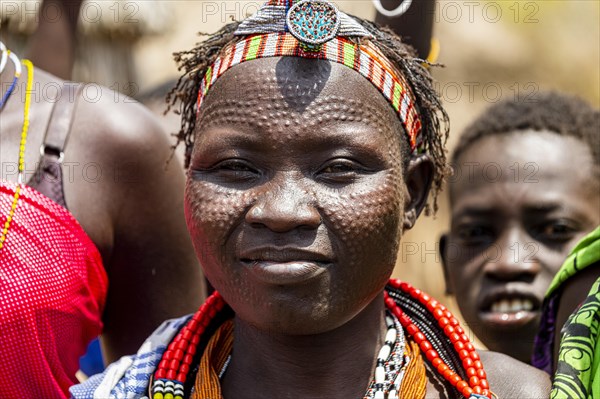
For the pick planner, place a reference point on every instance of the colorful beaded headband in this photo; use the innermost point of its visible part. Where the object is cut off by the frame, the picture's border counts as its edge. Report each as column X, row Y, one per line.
column 316, row 29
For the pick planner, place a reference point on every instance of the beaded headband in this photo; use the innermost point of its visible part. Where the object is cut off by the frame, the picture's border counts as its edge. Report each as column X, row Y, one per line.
column 317, row 29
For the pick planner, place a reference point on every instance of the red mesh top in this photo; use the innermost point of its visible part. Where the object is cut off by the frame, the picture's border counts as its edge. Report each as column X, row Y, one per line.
column 52, row 292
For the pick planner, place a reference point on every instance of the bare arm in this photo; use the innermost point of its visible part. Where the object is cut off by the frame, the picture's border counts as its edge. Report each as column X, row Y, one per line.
column 415, row 26
column 135, row 216
column 510, row 378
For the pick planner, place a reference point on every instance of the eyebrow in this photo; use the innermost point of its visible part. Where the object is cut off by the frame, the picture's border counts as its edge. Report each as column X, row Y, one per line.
column 475, row 211
column 530, row 210
column 544, row 208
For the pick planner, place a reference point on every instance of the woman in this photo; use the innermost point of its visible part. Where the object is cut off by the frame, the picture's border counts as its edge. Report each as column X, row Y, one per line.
column 315, row 144
column 85, row 224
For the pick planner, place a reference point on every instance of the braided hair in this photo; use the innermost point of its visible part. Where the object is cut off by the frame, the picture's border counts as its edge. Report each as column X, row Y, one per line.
column 435, row 126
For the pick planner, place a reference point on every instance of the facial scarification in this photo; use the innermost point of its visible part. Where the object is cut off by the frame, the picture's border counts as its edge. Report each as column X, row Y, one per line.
column 295, row 193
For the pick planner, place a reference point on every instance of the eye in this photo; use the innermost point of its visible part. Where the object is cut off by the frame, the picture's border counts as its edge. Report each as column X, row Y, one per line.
column 557, row 230
column 234, row 170
column 338, row 167
column 234, row 165
column 340, row 170
column 474, row 233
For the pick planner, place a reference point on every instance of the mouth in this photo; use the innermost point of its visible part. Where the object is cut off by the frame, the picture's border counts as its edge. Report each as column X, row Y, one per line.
column 510, row 309
column 285, row 266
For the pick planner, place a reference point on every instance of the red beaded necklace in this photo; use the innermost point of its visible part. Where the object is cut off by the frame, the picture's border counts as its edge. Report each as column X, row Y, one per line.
column 175, row 365
column 477, row 383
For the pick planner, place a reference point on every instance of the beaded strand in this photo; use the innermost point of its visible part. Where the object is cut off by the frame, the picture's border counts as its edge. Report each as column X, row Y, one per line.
column 390, row 362
column 4, row 58
column 477, row 385
column 13, row 84
column 172, row 371
column 422, row 317
column 24, row 131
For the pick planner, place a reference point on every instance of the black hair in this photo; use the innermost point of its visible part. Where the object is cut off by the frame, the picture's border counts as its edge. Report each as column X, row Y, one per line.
column 559, row 113
column 195, row 62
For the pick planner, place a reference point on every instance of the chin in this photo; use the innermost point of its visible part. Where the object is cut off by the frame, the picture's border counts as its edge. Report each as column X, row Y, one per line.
column 285, row 319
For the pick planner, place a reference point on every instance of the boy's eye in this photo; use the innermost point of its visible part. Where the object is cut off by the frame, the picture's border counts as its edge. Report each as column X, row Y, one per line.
column 557, row 230
column 474, row 233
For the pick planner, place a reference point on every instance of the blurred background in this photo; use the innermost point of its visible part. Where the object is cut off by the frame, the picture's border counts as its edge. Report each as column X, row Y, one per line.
column 491, row 50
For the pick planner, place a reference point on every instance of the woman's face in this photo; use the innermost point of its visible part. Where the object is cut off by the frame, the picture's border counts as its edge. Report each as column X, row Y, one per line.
column 520, row 203
column 295, row 195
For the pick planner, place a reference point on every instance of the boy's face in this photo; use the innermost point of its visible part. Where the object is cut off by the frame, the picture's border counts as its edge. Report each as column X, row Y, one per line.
column 520, row 202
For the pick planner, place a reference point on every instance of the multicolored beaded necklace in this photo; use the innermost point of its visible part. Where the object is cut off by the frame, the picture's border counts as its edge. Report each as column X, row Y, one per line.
column 451, row 354
column 24, row 130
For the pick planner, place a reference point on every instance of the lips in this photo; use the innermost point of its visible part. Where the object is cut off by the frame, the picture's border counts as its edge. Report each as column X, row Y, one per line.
column 284, row 266
column 509, row 308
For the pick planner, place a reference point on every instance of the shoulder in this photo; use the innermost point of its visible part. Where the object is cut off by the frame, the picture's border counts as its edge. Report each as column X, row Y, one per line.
column 130, row 375
column 101, row 113
column 510, row 378
column 117, row 122
column 109, row 129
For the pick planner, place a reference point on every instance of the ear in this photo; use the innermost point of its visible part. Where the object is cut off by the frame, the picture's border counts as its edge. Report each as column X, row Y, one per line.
column 443, row 247
column 418, row 177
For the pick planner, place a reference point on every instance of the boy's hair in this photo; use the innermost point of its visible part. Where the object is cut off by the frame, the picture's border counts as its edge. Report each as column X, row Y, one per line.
column 550, row 111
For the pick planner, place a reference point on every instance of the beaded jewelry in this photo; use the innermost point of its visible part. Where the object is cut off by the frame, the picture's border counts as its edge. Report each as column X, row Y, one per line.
column 24, row 131
column 177, row 361
column 316, row 29
column 477, row 380
column 313, row 23
column 4, row 58
column 18, row 70
column 391, row 362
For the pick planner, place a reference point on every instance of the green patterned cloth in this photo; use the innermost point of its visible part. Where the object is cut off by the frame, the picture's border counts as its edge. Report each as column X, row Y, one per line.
column 585, row 253
column 578, row 373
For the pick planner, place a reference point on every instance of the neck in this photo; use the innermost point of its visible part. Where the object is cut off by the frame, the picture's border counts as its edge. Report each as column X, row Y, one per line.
column 338, row 363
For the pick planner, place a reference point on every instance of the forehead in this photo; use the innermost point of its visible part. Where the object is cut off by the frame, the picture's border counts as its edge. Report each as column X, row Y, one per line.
column 294, row 90
column 524, row 168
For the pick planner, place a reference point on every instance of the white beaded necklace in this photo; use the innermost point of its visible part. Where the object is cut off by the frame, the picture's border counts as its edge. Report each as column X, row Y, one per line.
column 391, row 363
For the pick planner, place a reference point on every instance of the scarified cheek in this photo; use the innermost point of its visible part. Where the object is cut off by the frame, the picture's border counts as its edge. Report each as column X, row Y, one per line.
column 211, row 212
column 362, row 220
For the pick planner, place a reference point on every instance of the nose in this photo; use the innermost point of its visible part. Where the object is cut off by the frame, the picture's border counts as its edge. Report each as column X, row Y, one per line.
column 285, row 207
column 513, row 257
